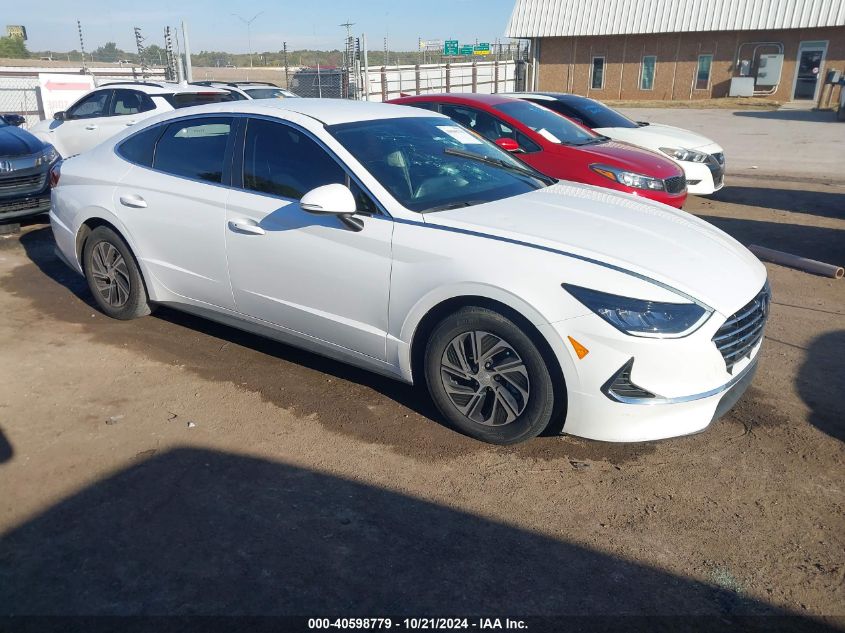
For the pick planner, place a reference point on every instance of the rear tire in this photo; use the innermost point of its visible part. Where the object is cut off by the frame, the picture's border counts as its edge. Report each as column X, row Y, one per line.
column 488, row 378
column 113, row 275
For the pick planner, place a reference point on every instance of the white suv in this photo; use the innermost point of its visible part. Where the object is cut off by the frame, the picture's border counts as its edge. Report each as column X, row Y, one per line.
column 113, row 107
column 243, row 90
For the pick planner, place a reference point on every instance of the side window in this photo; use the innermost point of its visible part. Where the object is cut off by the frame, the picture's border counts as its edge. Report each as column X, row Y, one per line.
column 488, row 126
column 363, row 202
column 94, row 105
column 282, row 161
column 140, row 147
column 194, row 148
column 130, row 102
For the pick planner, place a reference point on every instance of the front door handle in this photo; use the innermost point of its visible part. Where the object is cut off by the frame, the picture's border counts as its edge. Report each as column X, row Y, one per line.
column 92, row 126
column 131, row 123
column 245, row 226
column 133, row 200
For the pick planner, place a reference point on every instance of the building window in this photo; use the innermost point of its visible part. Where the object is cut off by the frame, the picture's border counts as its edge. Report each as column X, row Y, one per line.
column 647, row 74
column 597, row 73
column 702, row 76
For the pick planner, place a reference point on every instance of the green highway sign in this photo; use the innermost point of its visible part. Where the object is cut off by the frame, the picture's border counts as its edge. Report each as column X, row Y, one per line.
column 450, row 47
column 466, row 49
column 482, row 48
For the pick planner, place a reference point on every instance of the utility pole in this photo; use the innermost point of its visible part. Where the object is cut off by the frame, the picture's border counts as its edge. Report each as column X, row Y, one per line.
column 189, row 73
column 81, row 45
column 249, row 32
column 285, row 51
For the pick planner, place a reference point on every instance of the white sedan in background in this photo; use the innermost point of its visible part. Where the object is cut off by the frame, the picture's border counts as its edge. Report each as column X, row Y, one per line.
column 392, row 238
column 702, row 160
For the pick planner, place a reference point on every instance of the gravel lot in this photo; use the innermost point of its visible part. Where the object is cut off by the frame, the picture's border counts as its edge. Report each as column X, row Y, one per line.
column 171, row 465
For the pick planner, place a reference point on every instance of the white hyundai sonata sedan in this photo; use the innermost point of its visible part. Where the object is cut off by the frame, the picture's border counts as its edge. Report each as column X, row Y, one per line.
column 393, row 239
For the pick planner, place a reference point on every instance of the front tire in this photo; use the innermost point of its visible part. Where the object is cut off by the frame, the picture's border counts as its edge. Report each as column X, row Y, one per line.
column 488, row 378
column 113, row 275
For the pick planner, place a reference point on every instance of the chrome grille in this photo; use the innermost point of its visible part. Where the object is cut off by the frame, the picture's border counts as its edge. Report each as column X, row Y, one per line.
column 675, row 184
column 743, row 329
column 22, row 185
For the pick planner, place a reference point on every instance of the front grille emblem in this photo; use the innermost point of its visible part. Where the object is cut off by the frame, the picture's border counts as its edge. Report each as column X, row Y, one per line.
column 6, row 166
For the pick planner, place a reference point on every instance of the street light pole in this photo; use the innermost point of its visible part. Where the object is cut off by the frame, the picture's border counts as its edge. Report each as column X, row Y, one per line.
column 249, row 32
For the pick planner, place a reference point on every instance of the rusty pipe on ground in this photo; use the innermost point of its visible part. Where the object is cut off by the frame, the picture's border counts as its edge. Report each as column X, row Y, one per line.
column 801, row 263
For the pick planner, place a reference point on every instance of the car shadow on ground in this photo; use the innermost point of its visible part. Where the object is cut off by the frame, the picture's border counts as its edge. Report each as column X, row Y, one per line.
column 199, row 532
column 814, row 242
column 6, row 450
column 825, row 204
column 38, row 244
column 811, row 116
column 821, row 383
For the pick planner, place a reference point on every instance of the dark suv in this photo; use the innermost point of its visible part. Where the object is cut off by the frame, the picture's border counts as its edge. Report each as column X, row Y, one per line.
column 25, row 164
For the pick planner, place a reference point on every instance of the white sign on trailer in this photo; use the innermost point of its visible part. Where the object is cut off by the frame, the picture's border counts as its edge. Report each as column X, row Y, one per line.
column 59, row 92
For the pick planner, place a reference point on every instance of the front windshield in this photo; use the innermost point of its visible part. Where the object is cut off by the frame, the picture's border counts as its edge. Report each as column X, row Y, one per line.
column 266, row 93
column 431, row 164
column 598, row 115
column 548, row 124
column 3, row 122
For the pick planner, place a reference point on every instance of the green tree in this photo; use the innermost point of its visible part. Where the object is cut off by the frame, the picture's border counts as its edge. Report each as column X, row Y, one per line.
column 109, row 52
column 13, row 47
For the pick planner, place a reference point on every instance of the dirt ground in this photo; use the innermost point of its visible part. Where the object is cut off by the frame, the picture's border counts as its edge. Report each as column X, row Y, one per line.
column 173, row 466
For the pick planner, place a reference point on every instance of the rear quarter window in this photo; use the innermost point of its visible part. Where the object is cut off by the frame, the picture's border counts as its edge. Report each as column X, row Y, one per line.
column 140, row 148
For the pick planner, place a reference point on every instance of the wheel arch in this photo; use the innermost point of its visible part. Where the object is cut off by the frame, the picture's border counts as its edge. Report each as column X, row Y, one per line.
column 441, row 310
column 93, row 222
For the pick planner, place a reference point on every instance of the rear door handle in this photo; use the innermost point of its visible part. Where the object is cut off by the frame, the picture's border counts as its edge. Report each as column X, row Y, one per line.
column 91, row 127
column 245, row 226
column 133, row 200
column 131, row 123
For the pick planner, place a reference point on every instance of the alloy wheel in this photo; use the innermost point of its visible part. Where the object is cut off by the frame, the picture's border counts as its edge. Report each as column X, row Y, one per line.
column 485, row 378
column 111, row 275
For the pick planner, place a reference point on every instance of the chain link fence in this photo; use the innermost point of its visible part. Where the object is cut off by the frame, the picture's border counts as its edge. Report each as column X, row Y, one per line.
column 19, row 95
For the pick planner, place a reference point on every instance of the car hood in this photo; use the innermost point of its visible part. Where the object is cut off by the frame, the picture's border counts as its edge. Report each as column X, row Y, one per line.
column 17, row 142
column 630, row 158
column 655, row 136
column 637, row 235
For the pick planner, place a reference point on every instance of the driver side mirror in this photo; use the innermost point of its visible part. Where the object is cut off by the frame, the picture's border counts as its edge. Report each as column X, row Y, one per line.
column 334, row 199
column 60, row 116
column 508, row 144
column 13, row 119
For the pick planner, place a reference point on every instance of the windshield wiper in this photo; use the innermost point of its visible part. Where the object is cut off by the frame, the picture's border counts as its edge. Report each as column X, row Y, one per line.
column 454, row 205
column 595, row 141
column 496, row 162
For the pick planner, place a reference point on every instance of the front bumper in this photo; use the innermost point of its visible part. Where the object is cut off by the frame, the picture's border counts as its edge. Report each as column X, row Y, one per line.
column 705, row 178
column 18, row 199
column 688, row 377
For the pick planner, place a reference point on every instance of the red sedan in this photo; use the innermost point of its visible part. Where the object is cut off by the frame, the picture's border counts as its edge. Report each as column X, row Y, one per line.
column 559, row 147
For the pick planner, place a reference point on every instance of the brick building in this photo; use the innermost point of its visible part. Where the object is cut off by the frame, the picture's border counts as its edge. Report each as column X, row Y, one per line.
column 683, row 49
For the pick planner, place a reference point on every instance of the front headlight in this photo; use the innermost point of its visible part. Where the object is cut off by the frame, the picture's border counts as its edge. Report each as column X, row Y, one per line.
column 688, row 155
column 639, row 317
column 48, row 156
column 628, row 178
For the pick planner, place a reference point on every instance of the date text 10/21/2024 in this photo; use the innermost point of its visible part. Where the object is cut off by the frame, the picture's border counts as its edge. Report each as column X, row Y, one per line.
column 417, row 623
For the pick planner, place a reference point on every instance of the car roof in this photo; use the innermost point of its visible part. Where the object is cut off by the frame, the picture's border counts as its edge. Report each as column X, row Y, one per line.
column 458, row 97
column 553, row 96
column 160, row 87
column 326, row 111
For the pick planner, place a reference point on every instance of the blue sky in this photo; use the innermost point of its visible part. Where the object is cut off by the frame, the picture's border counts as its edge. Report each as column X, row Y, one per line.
column 51, row 24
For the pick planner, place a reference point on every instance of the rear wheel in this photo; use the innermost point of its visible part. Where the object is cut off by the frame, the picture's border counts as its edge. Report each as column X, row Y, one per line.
column 488, row 378
column 113, row 275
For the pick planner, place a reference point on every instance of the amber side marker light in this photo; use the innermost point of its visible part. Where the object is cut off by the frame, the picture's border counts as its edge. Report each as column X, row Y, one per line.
column 580, row 350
